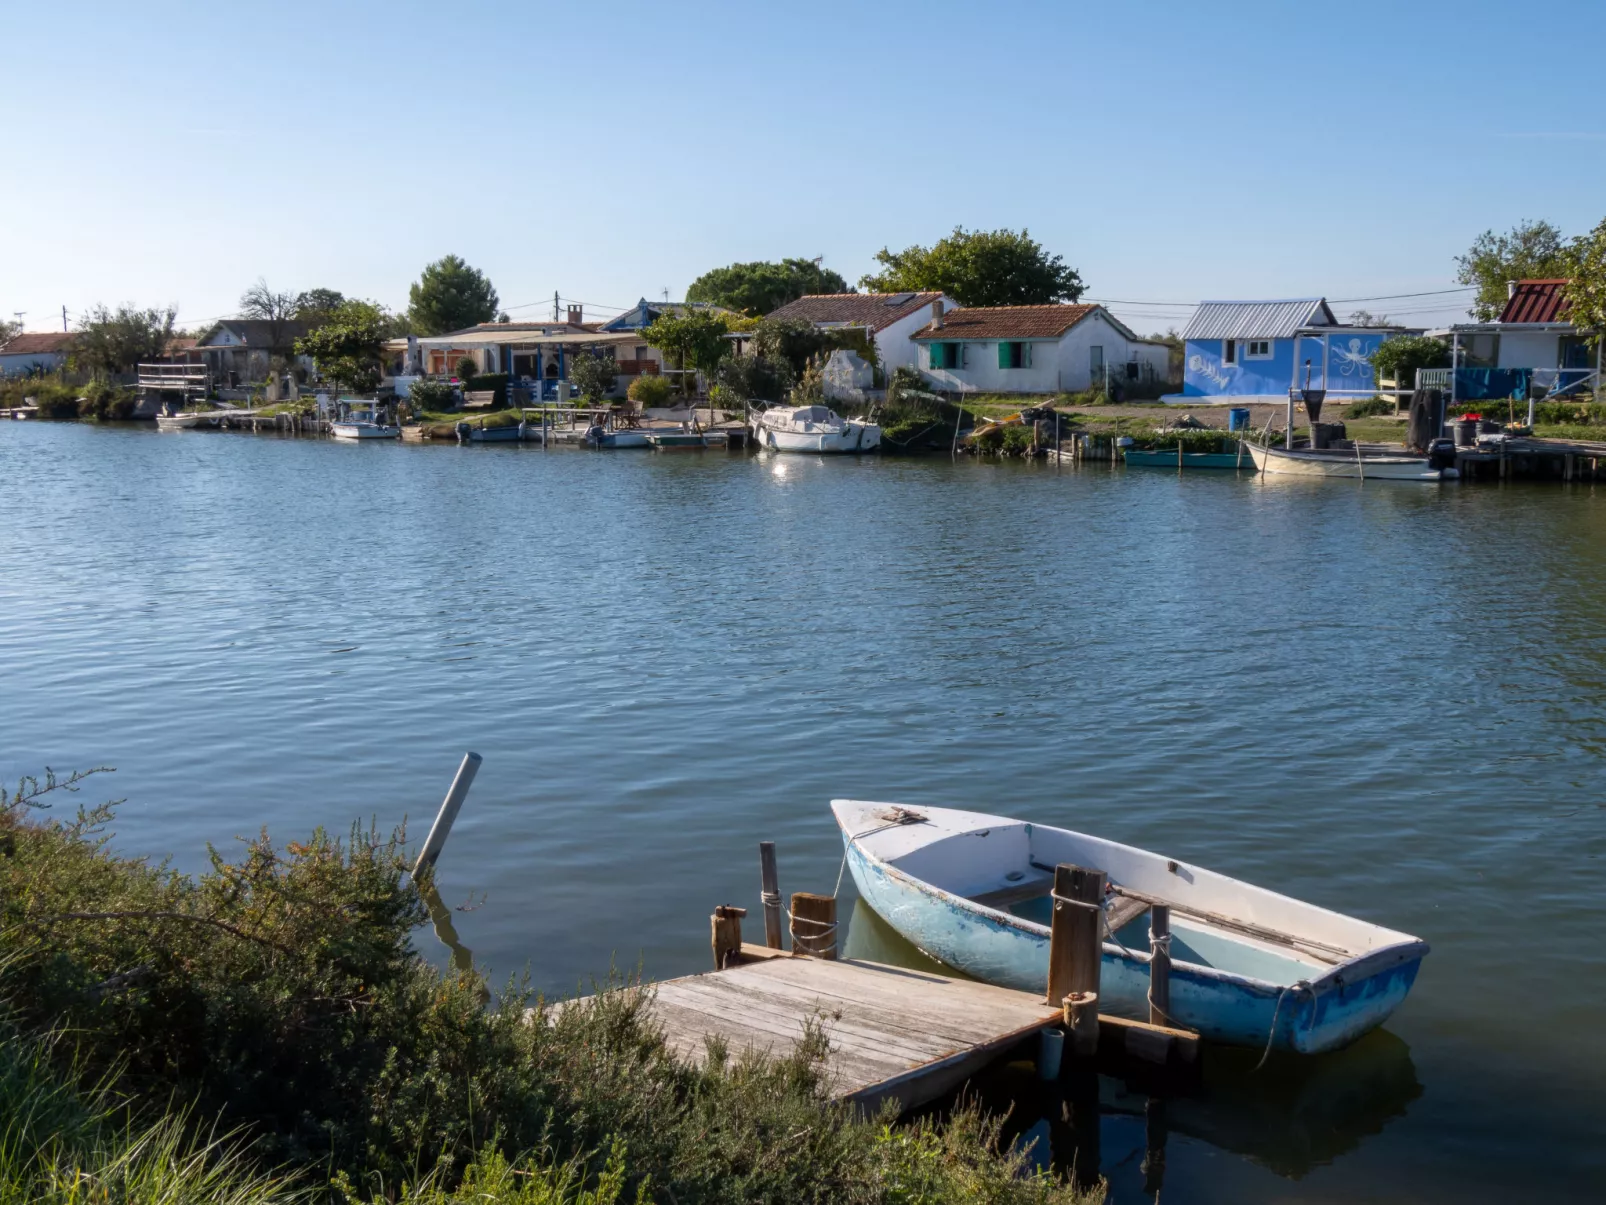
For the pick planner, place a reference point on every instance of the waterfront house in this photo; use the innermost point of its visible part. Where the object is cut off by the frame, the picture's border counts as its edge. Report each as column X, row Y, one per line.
column 241, row 351
column 890, row 320
column 1036, row 349
column 1532, row 343
column 1242, row 351
column 536, row 354
column 34, row 352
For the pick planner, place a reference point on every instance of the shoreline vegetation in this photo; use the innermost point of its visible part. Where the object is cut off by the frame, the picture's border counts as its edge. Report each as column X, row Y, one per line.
column 267, row 1032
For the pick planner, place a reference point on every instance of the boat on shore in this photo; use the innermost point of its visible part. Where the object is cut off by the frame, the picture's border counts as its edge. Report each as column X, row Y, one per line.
column 1249, row 967
column 813, row 429
column 1345, row 462
column 481, row 434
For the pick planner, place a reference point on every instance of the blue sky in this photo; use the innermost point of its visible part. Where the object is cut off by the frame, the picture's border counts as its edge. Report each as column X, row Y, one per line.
column 173, row 153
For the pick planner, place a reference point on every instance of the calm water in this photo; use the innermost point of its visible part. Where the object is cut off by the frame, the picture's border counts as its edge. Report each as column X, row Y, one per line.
column 1384, row 698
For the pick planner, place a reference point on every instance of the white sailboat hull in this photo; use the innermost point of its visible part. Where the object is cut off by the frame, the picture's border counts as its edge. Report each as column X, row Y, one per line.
column 1249, row 966
column 1338, row 464
column 857, row 437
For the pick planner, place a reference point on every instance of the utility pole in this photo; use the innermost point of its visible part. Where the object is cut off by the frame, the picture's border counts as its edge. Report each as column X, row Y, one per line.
column 554, row 305
column 19, row 314
column 63, row 319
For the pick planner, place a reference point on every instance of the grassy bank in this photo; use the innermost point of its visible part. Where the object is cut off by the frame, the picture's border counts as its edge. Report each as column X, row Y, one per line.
column 277, row 1000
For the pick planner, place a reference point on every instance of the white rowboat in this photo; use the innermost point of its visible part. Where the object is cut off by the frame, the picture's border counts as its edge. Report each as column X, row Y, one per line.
column 1248, row 966
column 1338, row 463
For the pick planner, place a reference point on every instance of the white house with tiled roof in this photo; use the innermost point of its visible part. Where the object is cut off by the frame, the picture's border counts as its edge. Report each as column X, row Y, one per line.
column 1036, row 349
column 34, row 351
column 889, row 318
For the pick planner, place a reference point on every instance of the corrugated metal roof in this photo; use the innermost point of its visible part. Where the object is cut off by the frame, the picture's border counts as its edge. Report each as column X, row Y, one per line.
column 1536, row 301
column 1257, row 319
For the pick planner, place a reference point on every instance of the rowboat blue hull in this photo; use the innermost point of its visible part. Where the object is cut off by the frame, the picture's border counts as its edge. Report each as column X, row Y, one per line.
column 1167, row 459
column 1305, row 1016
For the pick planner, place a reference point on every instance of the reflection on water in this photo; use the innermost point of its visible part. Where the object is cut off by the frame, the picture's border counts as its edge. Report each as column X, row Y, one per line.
column 1295, row 1114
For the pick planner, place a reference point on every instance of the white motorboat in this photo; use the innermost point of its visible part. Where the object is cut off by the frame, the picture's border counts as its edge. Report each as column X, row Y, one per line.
column 364, row 420
column 1248, row 966
column 1340, row 462
column 813, row 429
column 600, row 435
column 186, row 420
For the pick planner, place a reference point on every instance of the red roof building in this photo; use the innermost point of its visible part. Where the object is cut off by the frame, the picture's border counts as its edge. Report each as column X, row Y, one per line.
column 1536, row 301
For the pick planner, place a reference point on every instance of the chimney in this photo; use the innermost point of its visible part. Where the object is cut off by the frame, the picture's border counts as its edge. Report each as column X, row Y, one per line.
column 577, row 315
column 936, row 312
column 1511, row 289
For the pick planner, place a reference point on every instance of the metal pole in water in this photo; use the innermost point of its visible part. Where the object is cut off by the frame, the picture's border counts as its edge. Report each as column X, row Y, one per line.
column 450, row 806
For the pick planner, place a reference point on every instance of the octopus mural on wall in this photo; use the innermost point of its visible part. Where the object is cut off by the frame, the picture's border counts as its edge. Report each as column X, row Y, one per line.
column 1352, row 357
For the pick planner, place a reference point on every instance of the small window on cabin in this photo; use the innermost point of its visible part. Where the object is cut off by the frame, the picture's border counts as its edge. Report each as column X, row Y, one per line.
column 641, row 352
column 1258, row 349
column 1229, row 352
column 1014, row 355
column 1482, row 351
column 946, row 355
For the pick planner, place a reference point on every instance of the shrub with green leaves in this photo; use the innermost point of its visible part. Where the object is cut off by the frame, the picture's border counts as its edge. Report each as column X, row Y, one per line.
column 1370, row 407
column 278, row 996
column 651, row 390
column 432, row 395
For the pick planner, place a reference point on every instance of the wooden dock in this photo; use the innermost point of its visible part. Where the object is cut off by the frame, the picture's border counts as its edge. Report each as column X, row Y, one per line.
column 893, row 1033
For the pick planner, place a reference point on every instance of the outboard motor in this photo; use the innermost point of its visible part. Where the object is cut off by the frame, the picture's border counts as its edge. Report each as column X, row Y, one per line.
column 1441, row 454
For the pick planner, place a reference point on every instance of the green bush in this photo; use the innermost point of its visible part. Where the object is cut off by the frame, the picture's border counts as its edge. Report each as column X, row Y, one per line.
column 279, row 993
column 651, row 390
column 1192, row 440
column 489, row 382
column 1399, row 358
column 1369, row 407
column 594, row 375
column 1019, row 441
column 431, row 394
column 467, row 369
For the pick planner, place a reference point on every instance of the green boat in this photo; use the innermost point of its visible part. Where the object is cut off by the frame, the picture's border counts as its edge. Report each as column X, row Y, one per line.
column 676, row 440
column 1166, row 458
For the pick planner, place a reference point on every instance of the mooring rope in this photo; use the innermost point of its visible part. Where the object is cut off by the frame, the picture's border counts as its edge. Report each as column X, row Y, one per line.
column 1302, row 985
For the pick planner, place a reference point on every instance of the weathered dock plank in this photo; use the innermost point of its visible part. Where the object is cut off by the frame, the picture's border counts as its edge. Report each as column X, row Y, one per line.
column 891, row 1032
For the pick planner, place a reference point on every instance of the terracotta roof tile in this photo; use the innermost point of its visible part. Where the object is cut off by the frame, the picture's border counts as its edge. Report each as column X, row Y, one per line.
column 874, row 310
column 1536, row 301
column 37, row 343
column 1007, row 322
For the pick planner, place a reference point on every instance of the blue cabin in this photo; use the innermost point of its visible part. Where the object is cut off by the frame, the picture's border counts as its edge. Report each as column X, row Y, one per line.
column 1256, row 350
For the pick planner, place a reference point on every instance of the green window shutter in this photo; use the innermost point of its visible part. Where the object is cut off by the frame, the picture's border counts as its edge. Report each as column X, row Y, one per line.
column 1025, row 355
column 1004, row 357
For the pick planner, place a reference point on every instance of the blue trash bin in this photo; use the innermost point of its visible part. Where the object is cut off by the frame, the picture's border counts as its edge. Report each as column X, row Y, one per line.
column 1238, row 418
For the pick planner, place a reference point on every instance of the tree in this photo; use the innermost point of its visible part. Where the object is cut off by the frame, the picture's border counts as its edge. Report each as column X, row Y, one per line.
column 696, row 338
column 9, row 330
column 1585, row 269
column 1532, row 249
column 759, row 287
column 348, row 347
column 315, row 305
column 796, row 343
column 1367, row 318
column 594, row 375
column 755, row 376
column 978, row 267
column 1398, row 359
column 449, row 296
column 119, row 341
column 266, row 305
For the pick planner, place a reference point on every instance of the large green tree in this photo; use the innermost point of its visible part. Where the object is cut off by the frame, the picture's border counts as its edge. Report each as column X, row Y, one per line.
column 348, row 346
column 695, row 338
column 1585, row 268
column 979, row 267
column 759, row 287
column 316, row 305
column 1529, row 250
column 449, row 296
column 118, row 341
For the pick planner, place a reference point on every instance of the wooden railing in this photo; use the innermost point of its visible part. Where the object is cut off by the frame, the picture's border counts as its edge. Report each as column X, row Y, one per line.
column 178, row 378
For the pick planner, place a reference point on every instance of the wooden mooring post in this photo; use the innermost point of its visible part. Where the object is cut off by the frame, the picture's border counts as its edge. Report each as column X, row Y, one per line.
column 726, row 924
column 1075, row 950
column 814, row 924
column 1160, row 964
column 770, row 894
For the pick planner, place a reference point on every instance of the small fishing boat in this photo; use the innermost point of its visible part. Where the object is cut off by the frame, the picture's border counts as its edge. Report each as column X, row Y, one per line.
column 675, row 441
column 186, row 420
column 1167, row 458
column 1248, row 966
column 1345, row 462
column 813, row 429
column 599, row 435
column 364, row 420
column 481, row 434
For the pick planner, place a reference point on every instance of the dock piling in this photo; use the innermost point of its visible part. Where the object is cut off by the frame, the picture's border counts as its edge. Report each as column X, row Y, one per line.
column 450, row 806
column 815, row 915
column 727, row 934
column 770, row 894
column 1160, row 964
column 1075, row 951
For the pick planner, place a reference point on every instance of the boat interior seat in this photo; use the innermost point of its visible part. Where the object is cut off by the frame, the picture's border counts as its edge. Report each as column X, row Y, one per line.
column 1030, row 888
